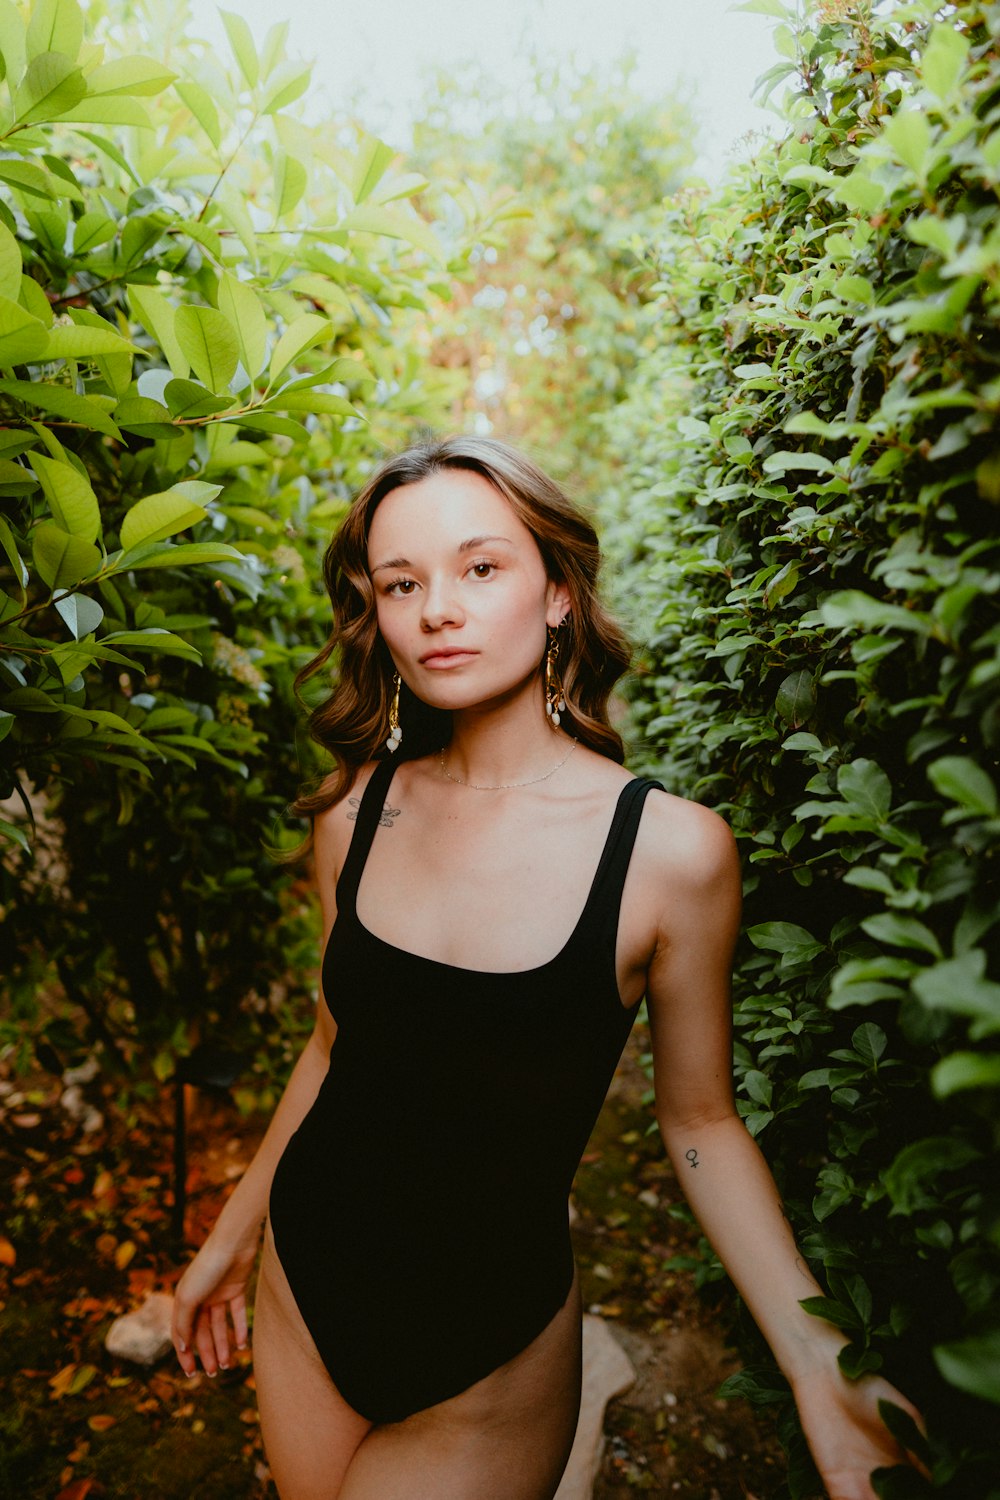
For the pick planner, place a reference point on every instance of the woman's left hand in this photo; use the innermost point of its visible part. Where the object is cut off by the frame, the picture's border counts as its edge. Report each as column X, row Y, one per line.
column 847, row 1437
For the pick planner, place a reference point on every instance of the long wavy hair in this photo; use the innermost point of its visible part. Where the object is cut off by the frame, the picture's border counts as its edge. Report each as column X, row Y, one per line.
column 352, row 723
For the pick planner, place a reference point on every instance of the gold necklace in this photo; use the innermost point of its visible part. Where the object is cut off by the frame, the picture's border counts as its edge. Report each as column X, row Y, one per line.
column 505, row 786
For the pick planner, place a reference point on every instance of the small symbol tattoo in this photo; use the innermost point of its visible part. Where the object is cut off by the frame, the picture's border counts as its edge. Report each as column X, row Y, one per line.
column 385, row 817
column 692, row 1157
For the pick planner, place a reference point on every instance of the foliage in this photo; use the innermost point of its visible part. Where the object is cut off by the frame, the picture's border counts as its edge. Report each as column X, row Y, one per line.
column 552, row 322
column 208, row 310
column 812, row 447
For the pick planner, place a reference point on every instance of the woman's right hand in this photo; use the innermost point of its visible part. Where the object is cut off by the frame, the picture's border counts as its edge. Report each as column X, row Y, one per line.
column 210, row 1295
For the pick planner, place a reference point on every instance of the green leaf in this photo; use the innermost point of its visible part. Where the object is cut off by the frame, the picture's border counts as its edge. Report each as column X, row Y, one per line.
column 857, row 611
column 866, row 788
column 394, row 223
column 23, row 339
column 905, row 1430
column 796, row 697
column 202, row 106
column 28, row 178
column 81, row 614
column 301, row 334
column 869, row 1042
column 290, row 180
column 158, row 317
column 913, row 1180
column 783, row 462
column 15, row 834
column 82, row 411
column 91, row 230
column 832, row 1312
column 9, row 546
column 55, row 26
column 146, row 417
column 241, row 305
column 74, row 504
column 208, row 340
column 963, row 781
column 67, row 341
column 370, row 165
column 52, row 85
column 134, row 75
column 170, row 555
column 287, row 83
column 13, row 42
column 784, row 937
column 965, row 1070
column 898, row 931
column 908, row 132
column 158, row 516
column 944, row 59
column 11, row 268
column 154, row 638
column 960, row 985
column 241, row 41
column 110, row 109
column 309, row 399
column 61, row 560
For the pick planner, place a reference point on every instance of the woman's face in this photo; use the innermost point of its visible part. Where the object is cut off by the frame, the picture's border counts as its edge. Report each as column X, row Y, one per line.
column 462, row 595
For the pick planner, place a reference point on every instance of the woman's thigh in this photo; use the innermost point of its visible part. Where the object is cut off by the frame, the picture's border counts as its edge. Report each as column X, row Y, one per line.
column 310, row 1433
column 509, row 1435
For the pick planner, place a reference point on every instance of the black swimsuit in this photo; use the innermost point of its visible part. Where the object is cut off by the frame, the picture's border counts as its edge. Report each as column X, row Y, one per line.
column 419, row 1211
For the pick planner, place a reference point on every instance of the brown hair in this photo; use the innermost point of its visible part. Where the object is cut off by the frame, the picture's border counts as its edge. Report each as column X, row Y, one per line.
column 353, row 722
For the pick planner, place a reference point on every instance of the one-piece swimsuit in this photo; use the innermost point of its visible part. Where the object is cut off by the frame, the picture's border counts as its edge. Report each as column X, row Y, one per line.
column 419, row 1212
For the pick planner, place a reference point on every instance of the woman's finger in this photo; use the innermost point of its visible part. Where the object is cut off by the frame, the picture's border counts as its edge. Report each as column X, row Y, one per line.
column 238, row 1313
column 204, row 1342
column 220, row 1333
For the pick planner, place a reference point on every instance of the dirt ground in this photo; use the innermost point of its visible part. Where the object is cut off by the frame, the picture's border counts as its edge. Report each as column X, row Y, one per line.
column 85, row 1235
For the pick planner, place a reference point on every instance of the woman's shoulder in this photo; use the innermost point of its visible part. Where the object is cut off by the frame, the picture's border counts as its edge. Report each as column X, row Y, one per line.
column 679, row 838
column 334, row 824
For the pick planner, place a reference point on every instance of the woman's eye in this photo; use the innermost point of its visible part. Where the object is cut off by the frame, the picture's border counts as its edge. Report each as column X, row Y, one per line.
column 483, row 569
column 401, row 586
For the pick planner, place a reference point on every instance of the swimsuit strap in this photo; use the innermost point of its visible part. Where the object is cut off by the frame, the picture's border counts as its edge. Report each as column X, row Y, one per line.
column 367, row 812
column 598, row 925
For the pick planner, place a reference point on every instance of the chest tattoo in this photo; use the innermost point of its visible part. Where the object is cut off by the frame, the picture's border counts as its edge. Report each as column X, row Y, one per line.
column 385, row 817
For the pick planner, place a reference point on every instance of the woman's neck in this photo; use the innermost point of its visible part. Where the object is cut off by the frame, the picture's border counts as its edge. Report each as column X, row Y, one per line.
column 505, row 747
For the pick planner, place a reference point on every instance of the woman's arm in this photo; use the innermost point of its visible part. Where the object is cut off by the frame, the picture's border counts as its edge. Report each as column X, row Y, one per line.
column 720, row 1167
column 212, row 1291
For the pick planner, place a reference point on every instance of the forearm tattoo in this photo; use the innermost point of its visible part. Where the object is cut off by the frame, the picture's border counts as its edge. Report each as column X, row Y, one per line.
column 385, row 817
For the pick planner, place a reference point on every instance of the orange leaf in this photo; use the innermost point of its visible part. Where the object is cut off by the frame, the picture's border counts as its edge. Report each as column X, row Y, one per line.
column 71, row 1380
column 78, row 1490
column 8, row 1255
column 124, row 1254
column 103, row 1184
column 106, row 1244
column 101, row 1423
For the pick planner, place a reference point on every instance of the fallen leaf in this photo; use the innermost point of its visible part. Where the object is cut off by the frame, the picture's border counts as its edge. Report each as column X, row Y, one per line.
column 8, row 1255
column 71, row 1380
column 101, row 1422
column 26, row 1122
column 124, row 1253
column 107, row 1244
column 103, row 1184
column 79, row 1489
column 73, row 1175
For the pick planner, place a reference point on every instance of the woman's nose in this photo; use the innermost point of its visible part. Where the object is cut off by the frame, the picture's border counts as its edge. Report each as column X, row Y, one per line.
column 441, row 606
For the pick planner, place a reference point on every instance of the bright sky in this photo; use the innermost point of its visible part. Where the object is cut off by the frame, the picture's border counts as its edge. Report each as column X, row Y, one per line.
column 379, row 50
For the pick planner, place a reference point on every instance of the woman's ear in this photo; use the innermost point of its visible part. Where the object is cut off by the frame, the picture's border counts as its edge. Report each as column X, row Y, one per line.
column 558, row 604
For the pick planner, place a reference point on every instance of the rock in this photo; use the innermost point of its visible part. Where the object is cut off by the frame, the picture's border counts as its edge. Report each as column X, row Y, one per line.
column 607, row 1372
column 143, row 1336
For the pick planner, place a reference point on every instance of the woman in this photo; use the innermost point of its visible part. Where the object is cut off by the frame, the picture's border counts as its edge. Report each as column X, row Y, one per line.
column 498, row 895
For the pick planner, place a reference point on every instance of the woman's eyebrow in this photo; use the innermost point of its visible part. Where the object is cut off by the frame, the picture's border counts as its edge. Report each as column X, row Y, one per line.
column 467, row 546
column 479, row 541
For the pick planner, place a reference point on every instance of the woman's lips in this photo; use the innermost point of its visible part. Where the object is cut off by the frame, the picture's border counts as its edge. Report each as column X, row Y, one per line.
column 446, row 657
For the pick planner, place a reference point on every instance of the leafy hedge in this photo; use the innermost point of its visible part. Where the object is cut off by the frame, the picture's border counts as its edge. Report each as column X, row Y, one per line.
column 208, row 312
column 813, row 447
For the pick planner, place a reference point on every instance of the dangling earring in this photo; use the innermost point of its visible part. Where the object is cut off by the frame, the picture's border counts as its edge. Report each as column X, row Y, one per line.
column 395, row 733
column 555, row 703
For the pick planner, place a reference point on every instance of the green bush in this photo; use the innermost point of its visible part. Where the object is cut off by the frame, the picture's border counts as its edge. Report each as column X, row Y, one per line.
column 209, row 312
column 812, row 538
